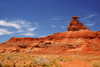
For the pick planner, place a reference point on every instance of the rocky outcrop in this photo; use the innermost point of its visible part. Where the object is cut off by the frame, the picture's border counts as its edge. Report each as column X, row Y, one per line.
column 77, row 35
column 57, row 38
column 76, row 30
column 2, row 50
column 75, row 25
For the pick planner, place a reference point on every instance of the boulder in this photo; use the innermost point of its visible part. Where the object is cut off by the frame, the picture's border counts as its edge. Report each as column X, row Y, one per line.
column 14, row 50
column 2, row 50
column 49, row 42
column 22, row 45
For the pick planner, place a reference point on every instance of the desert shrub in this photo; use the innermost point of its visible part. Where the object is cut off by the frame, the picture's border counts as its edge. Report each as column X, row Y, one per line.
column 21, row 58
column 96, row 64
column 62, row 59
column 7, row 57
column 69, row 60
column 6, row 65
column 42, row 61
column 60, row 65
column 87, row 60
column 28, row 65
column 98, row 58
column 55, row 63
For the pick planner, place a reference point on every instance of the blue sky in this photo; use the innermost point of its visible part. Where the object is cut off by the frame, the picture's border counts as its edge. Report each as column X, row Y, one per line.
column 39, row 18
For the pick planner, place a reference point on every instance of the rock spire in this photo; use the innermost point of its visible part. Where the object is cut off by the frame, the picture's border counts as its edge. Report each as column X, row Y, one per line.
column 75, row 25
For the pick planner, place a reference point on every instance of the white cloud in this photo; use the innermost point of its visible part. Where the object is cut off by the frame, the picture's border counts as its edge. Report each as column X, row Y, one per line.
column 90, row 16
column 88, row 21
column 91, row 24
column 5, row 32
column 42, row 36
column 63, row 27
column 22, row 26
column 9, row 24
column 1, row 33
column 53, row 26
column 55, row 19
column 31, row 29
column 28, row 34
column 29, row 22
column 22, row 22
column 36, row 24
column 5, row 18
column 18, row 24
column 19, row 31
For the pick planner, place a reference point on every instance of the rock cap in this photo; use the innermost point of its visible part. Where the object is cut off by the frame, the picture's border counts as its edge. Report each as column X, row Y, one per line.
column 75, row 17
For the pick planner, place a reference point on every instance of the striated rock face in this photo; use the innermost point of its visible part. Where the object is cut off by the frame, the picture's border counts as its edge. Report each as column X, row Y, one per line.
column 77, row 36
column 57, row 38
column 76, row 33
column 75, row 25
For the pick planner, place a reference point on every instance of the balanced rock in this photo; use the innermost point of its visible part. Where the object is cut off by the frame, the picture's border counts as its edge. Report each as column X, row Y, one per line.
column 75, row 25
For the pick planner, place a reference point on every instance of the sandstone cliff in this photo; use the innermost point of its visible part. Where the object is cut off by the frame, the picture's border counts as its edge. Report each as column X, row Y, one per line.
column 77, row 38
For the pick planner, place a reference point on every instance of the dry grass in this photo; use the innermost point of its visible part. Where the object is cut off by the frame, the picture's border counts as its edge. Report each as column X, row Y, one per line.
column 96, row 64
column 29, row 60
column 24, row 60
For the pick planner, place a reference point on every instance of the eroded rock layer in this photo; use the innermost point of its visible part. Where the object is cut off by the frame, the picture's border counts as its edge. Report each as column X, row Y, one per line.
column 75, row 25
column 64, row 37
column 77, row 38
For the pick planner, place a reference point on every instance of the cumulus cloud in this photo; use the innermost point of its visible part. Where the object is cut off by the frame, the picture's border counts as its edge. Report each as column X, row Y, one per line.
column 19, row 31
column 19, row 27
column 18, row 24
column 63, row 27
column 90, row 16
column 9, row 24
column 5, row 32
column 28, row 34
column 31, row 29
column 53, row 26
column 90, row 24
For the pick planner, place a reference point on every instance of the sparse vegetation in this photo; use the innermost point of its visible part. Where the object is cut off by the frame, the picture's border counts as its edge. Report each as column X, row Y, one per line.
column 41, row 61
column 69, row 60
column 87, row 60
column 96, row 64
column 7, row 58
column 55, row 63
column 62, row 59
column 29, row 60
column 7, row 65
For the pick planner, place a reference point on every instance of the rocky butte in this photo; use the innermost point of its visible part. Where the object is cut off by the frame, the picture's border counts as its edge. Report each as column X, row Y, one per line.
column 75, row 25
column 77, row 38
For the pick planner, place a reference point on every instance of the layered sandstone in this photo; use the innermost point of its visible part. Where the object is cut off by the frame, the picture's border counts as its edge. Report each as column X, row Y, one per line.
column 75, row 25
column 76, row 32
column 77, row 36
column 64, row 37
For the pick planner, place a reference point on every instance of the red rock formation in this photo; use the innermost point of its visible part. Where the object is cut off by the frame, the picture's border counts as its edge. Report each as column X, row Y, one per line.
column 75, row 25
column 58, row 38
column 76, row 36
